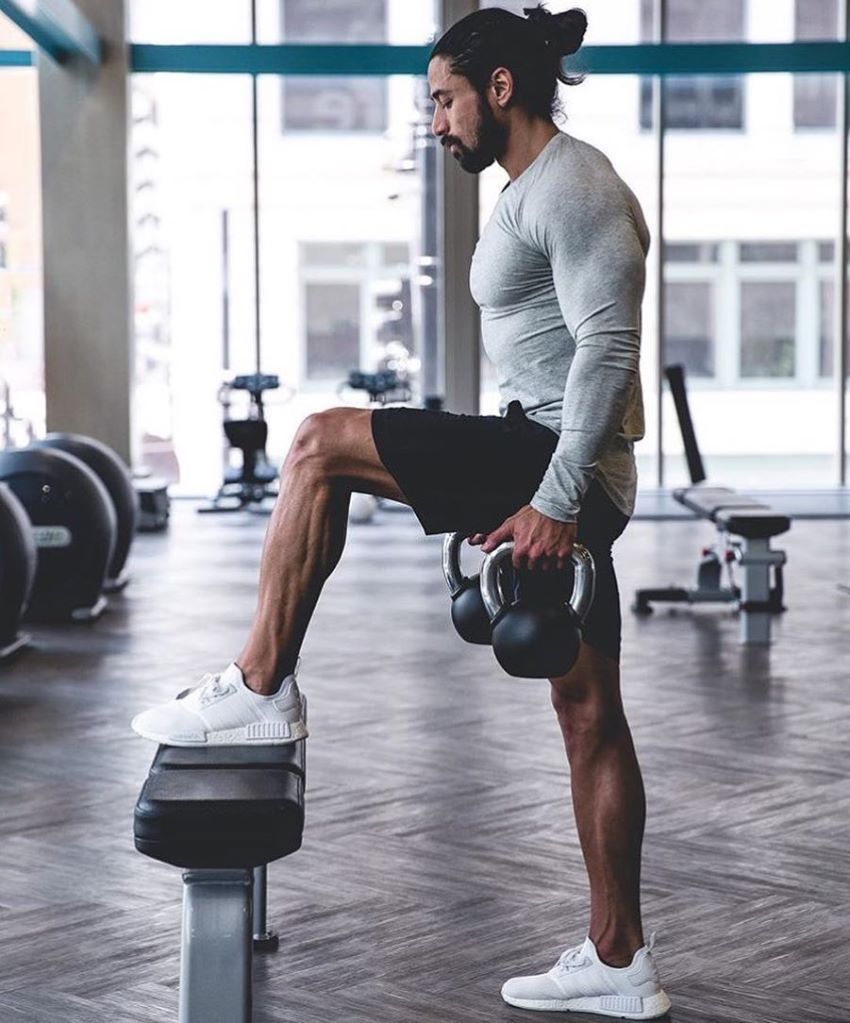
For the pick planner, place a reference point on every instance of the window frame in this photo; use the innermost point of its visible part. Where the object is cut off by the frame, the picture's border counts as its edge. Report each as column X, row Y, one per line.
column 727, row 275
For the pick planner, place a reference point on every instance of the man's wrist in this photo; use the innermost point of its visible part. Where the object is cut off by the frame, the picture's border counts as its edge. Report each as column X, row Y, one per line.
column 551, row 512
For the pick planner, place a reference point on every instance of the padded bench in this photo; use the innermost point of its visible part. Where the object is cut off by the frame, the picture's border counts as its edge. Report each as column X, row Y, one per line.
column 222, row 813
column 755, row 524
column 733, row 512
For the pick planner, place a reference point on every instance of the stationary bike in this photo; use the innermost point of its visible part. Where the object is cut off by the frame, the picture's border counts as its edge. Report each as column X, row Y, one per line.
column 255, row 479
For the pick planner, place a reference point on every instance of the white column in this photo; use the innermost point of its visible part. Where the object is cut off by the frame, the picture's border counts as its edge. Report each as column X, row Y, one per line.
column 88, row 346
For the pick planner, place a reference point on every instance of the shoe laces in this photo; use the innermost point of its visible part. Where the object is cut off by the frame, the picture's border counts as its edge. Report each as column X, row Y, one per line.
column 210, row 688
column 572, row 959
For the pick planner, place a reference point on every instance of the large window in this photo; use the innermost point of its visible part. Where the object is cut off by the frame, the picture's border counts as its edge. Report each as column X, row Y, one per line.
column 338, row 235
column 22, row 408
column 702, row 103
column 751, row 200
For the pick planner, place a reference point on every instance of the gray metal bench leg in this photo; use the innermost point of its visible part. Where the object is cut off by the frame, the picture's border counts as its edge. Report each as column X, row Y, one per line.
column 265, row 940
column 215, row 961
column 756, row 558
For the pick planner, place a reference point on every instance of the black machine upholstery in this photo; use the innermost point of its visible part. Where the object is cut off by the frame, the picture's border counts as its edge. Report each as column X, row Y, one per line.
column 752, row 523
column 222, row 807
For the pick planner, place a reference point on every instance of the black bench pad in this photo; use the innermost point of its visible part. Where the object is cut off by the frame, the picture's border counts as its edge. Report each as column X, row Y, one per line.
column 734, row 512
column 753, row 523
column 222, row 807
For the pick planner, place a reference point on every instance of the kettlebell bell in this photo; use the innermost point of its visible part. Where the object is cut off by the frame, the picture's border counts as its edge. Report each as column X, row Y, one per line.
column 539, row 641
column 469, row 615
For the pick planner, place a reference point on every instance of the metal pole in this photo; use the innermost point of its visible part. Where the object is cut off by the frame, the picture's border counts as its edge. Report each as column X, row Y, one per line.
column 255, row 142
column 658, row 112
column 428, row 260
column 265, row 940
column 225, row 289
column 840, row 312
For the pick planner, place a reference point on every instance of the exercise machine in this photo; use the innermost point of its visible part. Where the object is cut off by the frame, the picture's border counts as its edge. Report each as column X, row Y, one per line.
column 73, row 526
column 255, row 478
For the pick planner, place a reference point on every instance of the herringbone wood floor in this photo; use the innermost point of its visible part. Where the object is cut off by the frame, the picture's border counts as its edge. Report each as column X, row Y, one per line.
column 440, row 855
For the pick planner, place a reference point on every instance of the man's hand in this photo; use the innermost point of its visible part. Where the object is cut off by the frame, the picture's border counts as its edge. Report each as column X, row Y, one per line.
column 540, row 543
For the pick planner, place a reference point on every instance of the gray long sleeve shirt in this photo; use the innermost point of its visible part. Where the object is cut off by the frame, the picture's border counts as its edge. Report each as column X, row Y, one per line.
column 558, row 274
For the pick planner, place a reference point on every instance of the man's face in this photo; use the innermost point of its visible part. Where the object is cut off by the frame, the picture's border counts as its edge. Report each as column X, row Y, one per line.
column 463, row 120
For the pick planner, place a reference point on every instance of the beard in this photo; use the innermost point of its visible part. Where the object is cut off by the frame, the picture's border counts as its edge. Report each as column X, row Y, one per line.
column 488, row 142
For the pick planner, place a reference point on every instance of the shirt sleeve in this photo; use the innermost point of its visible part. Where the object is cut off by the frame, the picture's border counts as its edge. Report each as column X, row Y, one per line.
column 598, row 269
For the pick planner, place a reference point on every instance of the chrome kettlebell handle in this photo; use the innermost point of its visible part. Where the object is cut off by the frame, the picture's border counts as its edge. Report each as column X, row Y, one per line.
column 451, row 562
column 455, row 579
column 584, row 580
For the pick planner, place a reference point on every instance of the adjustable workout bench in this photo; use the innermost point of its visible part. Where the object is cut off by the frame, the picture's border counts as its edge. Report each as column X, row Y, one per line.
column 222, row 813
column 735, row 515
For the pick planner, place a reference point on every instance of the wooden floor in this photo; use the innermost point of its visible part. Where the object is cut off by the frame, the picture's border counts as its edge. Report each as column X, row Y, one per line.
column 440, row 856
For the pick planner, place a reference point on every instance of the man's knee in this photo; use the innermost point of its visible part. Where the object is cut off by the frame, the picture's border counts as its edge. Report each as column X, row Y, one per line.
column 317, row 438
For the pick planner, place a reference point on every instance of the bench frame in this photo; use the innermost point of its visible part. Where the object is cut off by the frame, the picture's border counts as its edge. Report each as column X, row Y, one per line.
column 759, row 597
column 223, row 924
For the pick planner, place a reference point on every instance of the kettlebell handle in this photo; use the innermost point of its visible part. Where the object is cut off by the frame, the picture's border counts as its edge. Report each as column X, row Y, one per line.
column 584, row 580
column 455, row 579
column 451, row 562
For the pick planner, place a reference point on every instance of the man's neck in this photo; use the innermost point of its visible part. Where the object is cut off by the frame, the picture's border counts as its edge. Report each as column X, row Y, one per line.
column 525, row 145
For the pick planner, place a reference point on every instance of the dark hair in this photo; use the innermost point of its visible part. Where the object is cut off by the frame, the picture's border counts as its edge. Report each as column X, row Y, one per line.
column 531, row 48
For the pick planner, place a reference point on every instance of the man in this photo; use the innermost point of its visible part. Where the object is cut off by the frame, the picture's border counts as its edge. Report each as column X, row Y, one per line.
column 559, row 276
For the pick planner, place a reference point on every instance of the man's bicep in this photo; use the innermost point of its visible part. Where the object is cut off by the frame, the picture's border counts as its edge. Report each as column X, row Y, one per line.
column 600, row 282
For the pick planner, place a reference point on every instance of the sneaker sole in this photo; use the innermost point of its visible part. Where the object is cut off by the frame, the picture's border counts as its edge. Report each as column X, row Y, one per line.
column 250, row 735
column 621, row 1006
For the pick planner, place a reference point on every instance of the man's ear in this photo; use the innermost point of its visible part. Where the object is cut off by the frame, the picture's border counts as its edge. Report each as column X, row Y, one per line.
column 501, row 86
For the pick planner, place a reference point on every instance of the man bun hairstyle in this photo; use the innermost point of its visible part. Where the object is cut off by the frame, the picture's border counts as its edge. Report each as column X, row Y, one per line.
column 532, row 48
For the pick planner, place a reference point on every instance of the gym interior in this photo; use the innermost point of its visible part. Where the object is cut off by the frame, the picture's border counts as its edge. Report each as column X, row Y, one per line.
column 217, row 220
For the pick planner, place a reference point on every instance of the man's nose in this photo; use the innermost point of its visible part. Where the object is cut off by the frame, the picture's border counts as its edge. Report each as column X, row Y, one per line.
column 439, row 124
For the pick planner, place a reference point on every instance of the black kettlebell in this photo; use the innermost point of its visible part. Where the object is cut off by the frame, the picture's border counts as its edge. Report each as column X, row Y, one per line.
column 539, row 641
column 469, row 615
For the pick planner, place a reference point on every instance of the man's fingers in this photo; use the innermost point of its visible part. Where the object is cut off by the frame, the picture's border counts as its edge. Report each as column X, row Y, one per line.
column 495, row 538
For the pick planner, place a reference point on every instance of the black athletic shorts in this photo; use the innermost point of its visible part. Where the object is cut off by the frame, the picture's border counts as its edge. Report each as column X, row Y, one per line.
column 468, row 474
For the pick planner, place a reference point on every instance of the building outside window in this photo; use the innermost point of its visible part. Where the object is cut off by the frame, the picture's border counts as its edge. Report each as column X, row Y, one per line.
column 356, row 301
column 696, row 103
column 773, row 300
column 815, row 96
column 334, row 103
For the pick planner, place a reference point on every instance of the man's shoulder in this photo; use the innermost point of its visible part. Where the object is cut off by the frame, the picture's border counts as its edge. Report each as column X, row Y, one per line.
column 579, row 179
column 578, row 166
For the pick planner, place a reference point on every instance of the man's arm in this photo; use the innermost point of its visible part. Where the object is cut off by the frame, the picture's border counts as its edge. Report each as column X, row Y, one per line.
column 598, row 267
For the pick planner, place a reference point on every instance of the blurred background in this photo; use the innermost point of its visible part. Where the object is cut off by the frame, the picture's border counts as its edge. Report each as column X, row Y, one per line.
column 352, row 207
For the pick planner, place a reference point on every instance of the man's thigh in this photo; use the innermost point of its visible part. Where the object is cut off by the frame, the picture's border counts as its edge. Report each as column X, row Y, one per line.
column 462, row 473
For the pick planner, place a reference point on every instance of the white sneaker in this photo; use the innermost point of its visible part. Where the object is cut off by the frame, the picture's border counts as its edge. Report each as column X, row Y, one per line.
column 223, row 711
column 580, row 982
